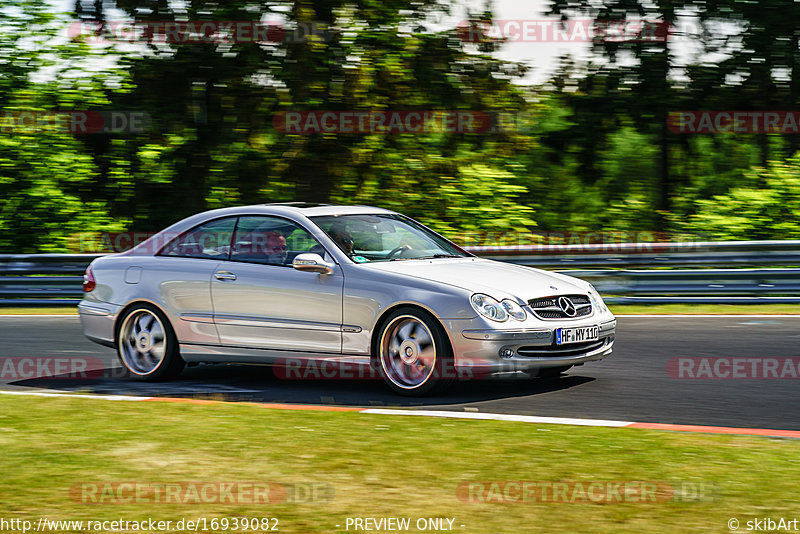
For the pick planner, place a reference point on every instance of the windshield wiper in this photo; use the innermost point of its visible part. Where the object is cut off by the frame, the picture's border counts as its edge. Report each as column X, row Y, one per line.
column 428, row 257
column 436, row 256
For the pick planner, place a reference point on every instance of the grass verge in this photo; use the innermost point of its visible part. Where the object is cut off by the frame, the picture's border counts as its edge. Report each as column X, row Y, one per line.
column 705, row 309
column 376, row 466
column 64, row 310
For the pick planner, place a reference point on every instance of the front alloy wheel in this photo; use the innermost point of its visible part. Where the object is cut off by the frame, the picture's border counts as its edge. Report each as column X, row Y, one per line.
column 414, row 356
column 146, row 344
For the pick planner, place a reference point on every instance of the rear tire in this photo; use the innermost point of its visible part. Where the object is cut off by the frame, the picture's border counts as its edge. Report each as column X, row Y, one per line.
column 146, row 344
column 413, row 353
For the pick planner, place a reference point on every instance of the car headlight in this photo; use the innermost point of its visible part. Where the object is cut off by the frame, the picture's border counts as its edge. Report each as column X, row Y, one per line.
column 597, row 300
column 488, row 307
column 513, row 309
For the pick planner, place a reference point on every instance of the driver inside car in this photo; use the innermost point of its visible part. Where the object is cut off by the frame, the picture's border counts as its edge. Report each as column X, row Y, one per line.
column 275, row 248
column 342, row 238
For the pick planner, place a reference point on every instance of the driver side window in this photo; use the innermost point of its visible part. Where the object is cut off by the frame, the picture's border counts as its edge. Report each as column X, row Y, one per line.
column 271, row 241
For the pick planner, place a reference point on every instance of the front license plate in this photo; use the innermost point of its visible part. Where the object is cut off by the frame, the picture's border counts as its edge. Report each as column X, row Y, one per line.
column 577, row 335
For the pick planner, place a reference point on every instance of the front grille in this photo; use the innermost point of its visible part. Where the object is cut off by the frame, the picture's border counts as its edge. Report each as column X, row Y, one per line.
column 572, row 349
column 547, row 307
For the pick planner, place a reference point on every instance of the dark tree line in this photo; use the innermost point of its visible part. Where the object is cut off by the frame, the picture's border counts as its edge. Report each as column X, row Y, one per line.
column 588, row 151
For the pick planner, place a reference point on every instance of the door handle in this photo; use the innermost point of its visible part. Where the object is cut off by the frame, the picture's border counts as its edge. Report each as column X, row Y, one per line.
column 224, row 275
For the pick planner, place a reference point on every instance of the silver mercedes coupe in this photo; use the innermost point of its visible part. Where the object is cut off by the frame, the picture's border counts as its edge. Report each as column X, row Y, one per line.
column 313, row 282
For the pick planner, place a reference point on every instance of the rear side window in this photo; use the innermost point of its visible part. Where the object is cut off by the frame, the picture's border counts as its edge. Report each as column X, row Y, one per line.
column 210, row 240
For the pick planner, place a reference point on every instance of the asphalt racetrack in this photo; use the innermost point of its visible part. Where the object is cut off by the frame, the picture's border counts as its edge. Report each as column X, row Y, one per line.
column 639, row 382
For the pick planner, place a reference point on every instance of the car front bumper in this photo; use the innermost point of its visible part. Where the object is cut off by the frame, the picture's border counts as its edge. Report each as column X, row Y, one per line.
column 486, row 351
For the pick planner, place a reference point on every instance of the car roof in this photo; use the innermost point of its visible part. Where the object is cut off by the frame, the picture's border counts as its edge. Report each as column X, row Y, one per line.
column 293, row 210
column 309, row 209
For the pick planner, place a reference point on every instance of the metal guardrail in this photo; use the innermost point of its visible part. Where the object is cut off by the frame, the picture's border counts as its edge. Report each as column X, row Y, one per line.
column 699, row 286
column 42, row 279
column 614, row 269
column 695, row 254
column 36, row 264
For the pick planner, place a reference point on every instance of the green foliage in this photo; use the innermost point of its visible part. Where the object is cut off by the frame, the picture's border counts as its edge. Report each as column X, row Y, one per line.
column 43, row 181
column 587, row 152
column 48, row 189
column 767, row 208
column 483, row 200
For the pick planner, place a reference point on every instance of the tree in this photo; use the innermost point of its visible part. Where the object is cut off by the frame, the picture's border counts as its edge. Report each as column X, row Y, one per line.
column 641, row 87
column 213, row 106
column 46, row 177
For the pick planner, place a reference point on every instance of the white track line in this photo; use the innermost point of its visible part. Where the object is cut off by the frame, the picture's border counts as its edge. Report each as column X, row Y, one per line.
column 74, row 396
column 380, row 411
column 642, row 315
column 457, row 415
column 501, row 417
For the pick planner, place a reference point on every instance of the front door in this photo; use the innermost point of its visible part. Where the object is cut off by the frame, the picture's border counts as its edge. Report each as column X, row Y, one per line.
column 260, row 301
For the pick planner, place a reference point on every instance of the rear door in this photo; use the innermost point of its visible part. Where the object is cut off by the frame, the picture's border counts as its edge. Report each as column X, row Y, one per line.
column 181, row 275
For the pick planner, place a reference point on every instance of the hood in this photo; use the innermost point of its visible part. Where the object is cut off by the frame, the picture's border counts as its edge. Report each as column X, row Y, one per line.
column 478, row 275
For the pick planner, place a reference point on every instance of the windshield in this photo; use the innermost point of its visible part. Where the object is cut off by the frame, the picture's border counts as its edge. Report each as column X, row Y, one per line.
column 369, row 238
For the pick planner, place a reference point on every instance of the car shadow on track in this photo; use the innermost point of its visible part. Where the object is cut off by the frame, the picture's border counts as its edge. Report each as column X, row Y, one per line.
column 248, row 383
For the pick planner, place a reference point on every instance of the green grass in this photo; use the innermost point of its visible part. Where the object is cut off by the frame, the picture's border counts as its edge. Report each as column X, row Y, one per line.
column 700, row 309
column 63, row 310
column 377, row 466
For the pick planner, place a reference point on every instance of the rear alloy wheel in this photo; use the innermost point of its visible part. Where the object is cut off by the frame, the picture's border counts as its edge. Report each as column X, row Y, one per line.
column 146, row 344
column 414, row 354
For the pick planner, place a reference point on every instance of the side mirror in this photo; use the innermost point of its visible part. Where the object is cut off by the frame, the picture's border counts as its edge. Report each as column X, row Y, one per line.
column 311, row 263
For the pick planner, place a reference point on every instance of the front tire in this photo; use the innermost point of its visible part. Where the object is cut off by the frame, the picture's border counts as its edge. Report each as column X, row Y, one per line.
column 414, row 354
column 146, row 344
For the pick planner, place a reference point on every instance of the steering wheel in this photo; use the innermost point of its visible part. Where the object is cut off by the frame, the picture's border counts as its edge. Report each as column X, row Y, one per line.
column 398, row 250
